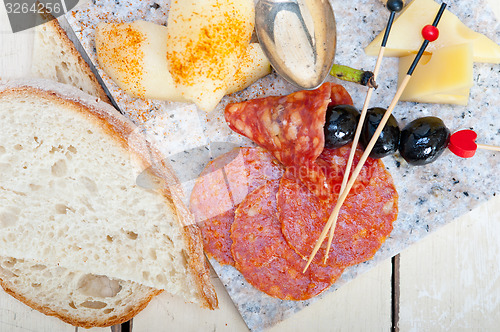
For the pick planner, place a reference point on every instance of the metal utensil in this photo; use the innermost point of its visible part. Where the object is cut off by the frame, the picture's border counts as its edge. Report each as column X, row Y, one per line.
column 298, row 37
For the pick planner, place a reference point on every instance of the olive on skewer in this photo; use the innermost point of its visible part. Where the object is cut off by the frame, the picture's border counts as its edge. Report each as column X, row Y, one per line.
column 340, row 126
column 423, row 140
column 341, row 123
column 420, row 142
column 388, row 141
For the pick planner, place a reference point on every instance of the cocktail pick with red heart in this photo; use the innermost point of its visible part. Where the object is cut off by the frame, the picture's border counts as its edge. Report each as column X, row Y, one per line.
column 463, row 144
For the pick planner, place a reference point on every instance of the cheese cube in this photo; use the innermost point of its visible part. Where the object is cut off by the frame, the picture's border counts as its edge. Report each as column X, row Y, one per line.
column 444, row 77
column 405, row 36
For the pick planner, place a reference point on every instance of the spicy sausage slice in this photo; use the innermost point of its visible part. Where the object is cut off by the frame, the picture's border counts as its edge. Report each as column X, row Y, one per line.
column 291, row 128
column 365, row 219
column 264, row 257
column 220, row 188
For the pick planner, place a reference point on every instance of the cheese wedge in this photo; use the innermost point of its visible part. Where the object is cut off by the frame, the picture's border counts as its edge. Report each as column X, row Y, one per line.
column 206, row 40
column 133, row 55
column 444, row 77
column 254, row 65
column 406, row 37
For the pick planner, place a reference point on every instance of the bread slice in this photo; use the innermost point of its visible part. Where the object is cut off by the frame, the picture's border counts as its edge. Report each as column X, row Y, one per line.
column 54, row 290
column 69, row 196
column 55, row 57
column 76, row 297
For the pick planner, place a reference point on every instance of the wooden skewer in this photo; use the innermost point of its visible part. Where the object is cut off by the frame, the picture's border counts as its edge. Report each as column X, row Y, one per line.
column 361, row 121
column 488, row 147
column 355, row 141
column 334, row 215
column 362, row 117
column 376, row 70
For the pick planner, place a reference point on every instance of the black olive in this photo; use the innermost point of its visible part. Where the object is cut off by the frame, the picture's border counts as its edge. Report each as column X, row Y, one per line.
column 423, row 140
column 388, row 141
column 340, row 126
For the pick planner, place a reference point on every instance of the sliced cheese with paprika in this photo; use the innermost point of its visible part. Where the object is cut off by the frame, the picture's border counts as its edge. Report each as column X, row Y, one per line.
column 405, row 36
column 133, row 55
column 254, row 65
column 444, row 77
column 205, row 43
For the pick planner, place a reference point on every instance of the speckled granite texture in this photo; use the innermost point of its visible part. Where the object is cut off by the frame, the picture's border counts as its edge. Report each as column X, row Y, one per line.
column 430, row 196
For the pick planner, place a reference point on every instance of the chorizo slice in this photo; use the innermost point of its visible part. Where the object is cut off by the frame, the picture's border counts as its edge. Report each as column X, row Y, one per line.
column 264, row 257
column 365, row 219
column 220, row 188
column 291, row 128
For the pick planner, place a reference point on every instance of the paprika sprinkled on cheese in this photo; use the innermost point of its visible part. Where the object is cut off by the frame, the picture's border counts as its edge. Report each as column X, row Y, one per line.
column 205, row 56
column 119, row 48
column 205, row 44
column 133, row 54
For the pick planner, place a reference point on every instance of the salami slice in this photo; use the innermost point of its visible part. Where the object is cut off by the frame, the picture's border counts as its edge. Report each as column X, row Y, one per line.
column 339, row 96
column 365, row 219
column 264, row 257
column 222, row 185
column 291, row 128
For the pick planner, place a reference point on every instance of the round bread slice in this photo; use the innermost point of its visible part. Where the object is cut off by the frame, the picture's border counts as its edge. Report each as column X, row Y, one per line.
column 76, row 297
column 69, row 194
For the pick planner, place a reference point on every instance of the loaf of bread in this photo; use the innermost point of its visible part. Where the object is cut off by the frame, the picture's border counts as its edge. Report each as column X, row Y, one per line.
column 70, row 201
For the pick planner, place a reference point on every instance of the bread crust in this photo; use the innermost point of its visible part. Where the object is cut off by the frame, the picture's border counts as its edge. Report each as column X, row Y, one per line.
column 53, row 24
column 66, row 317
column 191, row 232
column 125, row 134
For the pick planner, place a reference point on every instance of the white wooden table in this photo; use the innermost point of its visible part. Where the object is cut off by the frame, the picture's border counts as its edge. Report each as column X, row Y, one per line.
column 449, row 281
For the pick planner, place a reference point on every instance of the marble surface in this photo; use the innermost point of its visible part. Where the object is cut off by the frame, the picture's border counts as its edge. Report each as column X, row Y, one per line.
column 430, row 196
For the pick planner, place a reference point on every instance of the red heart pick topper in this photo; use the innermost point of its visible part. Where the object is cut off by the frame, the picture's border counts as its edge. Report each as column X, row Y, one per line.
column 463, row 143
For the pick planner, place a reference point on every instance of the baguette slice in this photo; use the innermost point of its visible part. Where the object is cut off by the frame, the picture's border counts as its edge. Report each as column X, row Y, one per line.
column 69, row 196
column 56, row 58
column 76, row 297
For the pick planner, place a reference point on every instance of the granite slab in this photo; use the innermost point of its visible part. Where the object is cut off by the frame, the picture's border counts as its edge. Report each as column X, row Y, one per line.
column 429, row 196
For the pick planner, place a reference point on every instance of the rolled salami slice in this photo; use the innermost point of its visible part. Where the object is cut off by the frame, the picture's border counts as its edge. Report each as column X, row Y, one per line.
column 264, row 257
column 220, row 188
column 339, row 96
column 365, row 219
column 291, row 128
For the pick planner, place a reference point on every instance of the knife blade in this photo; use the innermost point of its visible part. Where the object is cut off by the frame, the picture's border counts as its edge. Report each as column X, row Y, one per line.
column 72, row 36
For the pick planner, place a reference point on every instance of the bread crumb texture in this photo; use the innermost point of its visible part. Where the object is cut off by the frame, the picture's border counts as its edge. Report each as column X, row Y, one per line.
column 78, row 298
column 56, row 58
column 69, row 198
